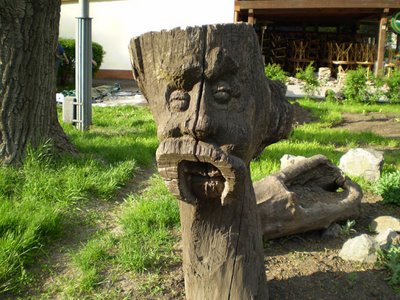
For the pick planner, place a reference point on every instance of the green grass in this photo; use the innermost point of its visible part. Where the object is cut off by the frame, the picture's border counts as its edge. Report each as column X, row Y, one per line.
column 148, row 221
column 92, row 260
column 38, row 199
column 320, row 138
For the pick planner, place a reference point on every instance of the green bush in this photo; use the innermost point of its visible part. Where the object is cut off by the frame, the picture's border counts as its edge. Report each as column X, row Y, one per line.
column 355, row 86
column 311, row 82
column 275, row 72
column 391, row 260
column 388, row 186
column 330, row 96
column 378, row 82
column 393, row 83
column 66, row 72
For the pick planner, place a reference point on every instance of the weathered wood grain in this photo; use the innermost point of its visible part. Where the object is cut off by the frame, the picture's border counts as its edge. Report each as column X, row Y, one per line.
column 215, row 111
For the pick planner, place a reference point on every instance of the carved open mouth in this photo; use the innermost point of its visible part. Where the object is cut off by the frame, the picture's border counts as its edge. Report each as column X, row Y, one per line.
column 204, row 180
column 195, row 171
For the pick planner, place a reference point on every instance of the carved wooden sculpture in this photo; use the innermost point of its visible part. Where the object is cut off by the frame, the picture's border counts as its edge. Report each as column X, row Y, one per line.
column 215, row 111
column 308, row 195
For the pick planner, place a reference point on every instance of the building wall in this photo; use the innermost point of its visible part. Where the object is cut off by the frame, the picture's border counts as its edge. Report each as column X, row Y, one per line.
column 115, row 23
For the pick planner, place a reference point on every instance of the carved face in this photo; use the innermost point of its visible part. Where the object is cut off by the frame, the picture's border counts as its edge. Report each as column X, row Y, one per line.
column 209, row 99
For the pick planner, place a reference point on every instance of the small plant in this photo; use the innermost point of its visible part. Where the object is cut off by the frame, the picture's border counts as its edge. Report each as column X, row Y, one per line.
column 355, row 86
column 347, row 229
column 388, row 186
column 393, row 83
column 275, row 72
column 330, row 96
column 390, row 259
column 377, row 93
column 352, row 278
column 311, row 82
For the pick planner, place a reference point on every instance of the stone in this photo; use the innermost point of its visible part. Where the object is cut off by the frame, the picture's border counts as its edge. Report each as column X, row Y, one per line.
column 361, row 248
column 215, row 111
column 366, row 163
column 385, row 238
column 332, row 231
column 289, row 160
column 383, row 223
column 308, row 195
column 324, row 74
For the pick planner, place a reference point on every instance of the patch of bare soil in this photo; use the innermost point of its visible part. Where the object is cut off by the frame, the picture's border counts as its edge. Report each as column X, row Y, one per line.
column 301, row 115
column 307, row 266
column 384, row 124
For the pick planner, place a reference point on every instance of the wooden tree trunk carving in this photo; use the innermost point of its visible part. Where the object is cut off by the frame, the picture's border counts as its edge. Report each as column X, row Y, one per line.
column 28, row 42
column 215, row 111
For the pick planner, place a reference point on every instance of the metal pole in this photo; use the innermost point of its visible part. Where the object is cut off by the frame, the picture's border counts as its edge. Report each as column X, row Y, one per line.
column 83, row 67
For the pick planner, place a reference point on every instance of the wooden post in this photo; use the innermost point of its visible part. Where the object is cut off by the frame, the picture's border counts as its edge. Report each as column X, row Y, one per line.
column 215, row 110
column 381, row 41
column 250, row 18
column 236, row 12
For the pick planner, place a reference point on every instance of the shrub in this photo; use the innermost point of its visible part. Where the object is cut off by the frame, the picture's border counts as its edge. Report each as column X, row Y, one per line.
column 311, row 82
column 393, row 83
column 275, row 72
column 378, row 83
column 66, row 72
column 355, row 85
column 330, row 96
column 388, row 186
column 391, row 260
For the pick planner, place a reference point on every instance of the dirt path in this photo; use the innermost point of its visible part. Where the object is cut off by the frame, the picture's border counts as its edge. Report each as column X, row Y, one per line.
column 384, row 124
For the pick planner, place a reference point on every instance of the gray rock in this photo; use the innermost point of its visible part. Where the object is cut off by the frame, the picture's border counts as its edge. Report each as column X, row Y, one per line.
column 361, row 248
column 385, row 238
column 383, row 223
column 361, row 162
column 324, row 74
column 332, row 231
column 289, row 160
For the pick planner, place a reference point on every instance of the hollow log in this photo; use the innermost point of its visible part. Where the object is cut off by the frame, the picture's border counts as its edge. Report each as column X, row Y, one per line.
column 214, row 111
column 311, row 194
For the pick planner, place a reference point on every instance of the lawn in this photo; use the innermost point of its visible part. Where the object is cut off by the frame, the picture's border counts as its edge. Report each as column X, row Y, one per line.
column 106, row 216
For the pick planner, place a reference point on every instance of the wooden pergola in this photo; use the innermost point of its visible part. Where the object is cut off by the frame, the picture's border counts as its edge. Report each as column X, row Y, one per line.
column 328, row 14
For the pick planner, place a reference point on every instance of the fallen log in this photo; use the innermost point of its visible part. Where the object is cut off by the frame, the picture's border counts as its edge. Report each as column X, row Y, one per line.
column 310, row 194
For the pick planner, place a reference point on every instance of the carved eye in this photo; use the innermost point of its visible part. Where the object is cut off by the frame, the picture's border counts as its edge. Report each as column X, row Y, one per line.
column 222, row 94
column 179, row 101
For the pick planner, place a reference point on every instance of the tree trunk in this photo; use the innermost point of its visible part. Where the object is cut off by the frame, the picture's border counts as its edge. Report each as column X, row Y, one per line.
column 215, row 111
column 28, row 41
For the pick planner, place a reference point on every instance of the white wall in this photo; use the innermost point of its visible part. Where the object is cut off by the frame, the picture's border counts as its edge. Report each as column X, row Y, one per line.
column 116, row 22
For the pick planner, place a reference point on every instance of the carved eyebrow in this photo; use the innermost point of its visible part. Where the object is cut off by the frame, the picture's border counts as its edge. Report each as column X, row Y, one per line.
column 186, row 76
column 219, row 62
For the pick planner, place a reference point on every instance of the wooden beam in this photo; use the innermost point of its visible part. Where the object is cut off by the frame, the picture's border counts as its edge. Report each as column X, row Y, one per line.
column 381, row 41
column 76, row 1
column 274, row 4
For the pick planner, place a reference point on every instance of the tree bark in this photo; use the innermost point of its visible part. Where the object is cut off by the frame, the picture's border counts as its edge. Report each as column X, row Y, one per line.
column 310, row 194
column 28, row 41
column 215, row 111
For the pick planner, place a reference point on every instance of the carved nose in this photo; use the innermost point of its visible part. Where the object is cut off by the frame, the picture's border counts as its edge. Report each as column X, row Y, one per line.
column 203, row 127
